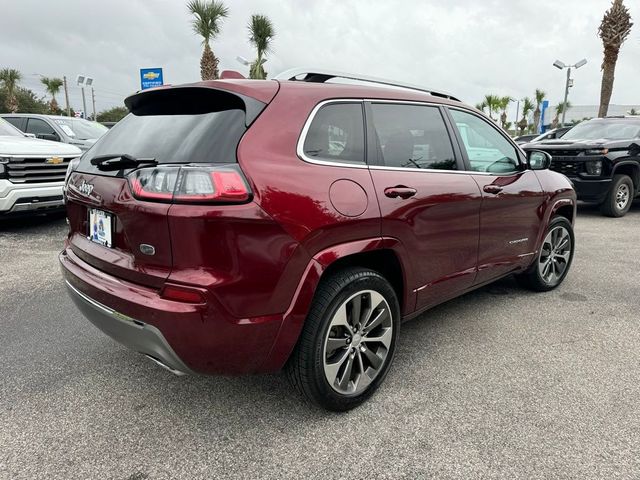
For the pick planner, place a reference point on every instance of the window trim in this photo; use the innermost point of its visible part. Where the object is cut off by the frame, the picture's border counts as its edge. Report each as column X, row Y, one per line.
column 307, row 125
column 376, row 163
column 520, row 155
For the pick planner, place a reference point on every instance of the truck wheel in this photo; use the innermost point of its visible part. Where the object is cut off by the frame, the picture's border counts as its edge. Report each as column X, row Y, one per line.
column 554, row 259
column 347, row 343
column 619, row 198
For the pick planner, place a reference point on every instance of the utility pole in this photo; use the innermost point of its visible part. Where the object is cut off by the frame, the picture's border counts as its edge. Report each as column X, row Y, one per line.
column 93, row 100
column 66, row 95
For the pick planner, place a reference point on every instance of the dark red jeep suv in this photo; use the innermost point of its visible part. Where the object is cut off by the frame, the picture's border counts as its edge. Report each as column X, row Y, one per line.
column 240, row 226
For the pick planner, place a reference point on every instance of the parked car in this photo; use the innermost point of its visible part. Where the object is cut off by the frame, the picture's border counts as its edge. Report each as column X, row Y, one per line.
column 522, row 139
column 239, row 226
column 552, row 134
column 32, row 172
column 74, row 131
column 602, row 158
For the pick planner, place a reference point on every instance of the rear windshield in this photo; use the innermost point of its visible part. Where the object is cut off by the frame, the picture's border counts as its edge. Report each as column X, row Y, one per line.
column 201, row 138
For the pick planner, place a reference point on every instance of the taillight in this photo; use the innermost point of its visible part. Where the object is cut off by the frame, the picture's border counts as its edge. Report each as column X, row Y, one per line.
column 190, row 184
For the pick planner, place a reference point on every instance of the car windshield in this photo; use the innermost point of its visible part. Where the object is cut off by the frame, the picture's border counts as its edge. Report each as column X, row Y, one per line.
column 604, row 129
column 7, row 129
column 81, row 129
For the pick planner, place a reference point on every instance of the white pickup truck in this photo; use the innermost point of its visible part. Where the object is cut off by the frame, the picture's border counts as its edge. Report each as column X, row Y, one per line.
column 32, row 172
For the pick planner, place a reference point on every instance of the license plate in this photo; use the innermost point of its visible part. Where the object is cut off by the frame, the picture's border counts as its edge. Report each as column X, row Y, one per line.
column 100, row 227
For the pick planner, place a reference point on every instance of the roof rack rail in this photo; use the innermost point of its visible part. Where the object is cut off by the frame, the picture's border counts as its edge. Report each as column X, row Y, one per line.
column 321, row 76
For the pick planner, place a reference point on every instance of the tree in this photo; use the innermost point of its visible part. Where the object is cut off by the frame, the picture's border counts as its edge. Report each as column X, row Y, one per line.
column 539, row 98
column 492, row 104
column 527, row 108
column 27, row 101
column 114, row 114
column 208, row 16
column 614, row 30
column 481, row 106
column 633, row 111
column 261, row 32
column 52, row 85
column 560, row 108
column 10, row 78
column 503, row 105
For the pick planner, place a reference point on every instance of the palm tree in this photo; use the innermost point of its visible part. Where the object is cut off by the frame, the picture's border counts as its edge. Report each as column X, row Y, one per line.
column 492, row 103
column 481, row 106
column 614, row 30
column 527, row 108
column 52, row 85
column 261, row 32
column 633, row 111
column 208, row 16
column 540, row 94
column 560, row 108
column 503, row 104
column 10, row 78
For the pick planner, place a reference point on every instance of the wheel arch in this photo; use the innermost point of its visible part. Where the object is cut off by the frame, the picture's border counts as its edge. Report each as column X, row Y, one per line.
column 382, row 255
column 630, row 168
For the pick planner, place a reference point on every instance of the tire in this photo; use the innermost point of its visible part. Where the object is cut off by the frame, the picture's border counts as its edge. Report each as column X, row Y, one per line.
column 327, row 343
column 619, row 197
column 554, row 259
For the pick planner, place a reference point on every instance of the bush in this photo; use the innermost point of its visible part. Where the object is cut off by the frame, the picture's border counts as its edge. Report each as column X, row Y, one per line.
column 114, row 114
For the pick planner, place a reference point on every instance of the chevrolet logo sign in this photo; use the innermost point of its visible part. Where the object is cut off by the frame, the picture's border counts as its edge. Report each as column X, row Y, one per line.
column 150, row 75
column 54, row 160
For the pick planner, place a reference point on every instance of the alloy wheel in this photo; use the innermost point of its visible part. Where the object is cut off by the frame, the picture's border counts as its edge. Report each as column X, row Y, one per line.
column 358, row 342
column 622, row 196
column 555, row 255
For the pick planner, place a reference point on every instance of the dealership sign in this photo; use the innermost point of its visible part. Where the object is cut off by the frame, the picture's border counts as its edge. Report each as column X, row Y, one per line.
column 150, row 77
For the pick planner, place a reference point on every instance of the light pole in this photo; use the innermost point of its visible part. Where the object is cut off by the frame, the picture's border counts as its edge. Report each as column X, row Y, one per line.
column 560, row 65
column 84, row 81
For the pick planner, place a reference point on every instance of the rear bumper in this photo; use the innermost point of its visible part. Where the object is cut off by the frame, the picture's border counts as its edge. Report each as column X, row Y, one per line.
column 29, row 197
column 200, row 338
column 134, row 334
column 593, row 191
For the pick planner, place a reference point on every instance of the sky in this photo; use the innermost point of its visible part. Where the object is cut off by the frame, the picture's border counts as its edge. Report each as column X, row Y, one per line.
column 466, row 47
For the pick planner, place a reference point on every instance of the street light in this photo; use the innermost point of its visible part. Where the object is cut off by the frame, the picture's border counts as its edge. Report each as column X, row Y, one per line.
column 560, row 65
column 84, row 81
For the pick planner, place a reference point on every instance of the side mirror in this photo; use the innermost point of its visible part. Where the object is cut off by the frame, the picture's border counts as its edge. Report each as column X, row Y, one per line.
column 48, row 136
column 538, row 160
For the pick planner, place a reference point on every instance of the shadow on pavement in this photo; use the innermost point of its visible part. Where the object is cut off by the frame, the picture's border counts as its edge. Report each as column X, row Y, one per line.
column 25, row 223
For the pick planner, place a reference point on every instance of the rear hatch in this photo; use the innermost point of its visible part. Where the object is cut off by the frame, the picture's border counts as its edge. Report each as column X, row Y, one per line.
column 178, row 145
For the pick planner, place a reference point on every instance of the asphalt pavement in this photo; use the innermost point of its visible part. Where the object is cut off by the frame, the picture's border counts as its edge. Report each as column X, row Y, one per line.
column 500, row 383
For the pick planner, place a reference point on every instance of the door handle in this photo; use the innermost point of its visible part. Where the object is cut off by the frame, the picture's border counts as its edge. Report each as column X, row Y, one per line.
column 492, row 189
column 400, row 191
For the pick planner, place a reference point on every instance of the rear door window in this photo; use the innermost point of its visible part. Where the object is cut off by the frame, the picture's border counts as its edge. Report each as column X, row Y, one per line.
column 412, row 136
column 17, row 122
column 336, row 134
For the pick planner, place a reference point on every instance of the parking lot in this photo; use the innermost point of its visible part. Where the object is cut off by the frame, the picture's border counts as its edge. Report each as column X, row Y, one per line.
column 499, row 383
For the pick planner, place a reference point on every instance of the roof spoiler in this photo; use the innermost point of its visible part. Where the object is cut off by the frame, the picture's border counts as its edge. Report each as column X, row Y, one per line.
column 192, row 100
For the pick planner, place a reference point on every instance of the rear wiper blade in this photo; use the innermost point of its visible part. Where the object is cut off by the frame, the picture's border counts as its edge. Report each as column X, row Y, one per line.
column 119, row 161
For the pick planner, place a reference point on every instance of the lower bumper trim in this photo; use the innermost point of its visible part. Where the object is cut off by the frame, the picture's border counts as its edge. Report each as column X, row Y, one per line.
column 134, row 334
